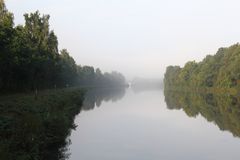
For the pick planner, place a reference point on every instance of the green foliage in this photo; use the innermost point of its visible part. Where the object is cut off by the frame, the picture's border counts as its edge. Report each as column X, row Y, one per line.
column 221, row 70
column 6, row 18
column 37, row 129
column 30, row 58
column 88, row 76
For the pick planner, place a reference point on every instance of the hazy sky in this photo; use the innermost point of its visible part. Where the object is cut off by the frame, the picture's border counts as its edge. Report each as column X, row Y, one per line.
column 138, row 37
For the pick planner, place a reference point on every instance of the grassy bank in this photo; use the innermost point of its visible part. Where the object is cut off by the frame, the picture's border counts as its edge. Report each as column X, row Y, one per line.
column 33, row 128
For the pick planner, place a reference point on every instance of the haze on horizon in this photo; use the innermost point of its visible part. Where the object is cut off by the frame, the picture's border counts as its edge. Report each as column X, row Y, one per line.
column 138, row 38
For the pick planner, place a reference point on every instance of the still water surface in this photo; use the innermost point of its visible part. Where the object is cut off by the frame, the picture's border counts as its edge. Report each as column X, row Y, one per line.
column 139, row 125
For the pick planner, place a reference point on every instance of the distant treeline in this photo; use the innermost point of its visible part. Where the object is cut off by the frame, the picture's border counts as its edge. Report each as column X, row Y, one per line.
column 30, row 58
column 221, row 70
column 141, row 84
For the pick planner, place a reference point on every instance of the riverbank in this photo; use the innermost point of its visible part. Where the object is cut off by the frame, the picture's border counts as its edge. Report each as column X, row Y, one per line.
column 36, row 127
column 214, row 90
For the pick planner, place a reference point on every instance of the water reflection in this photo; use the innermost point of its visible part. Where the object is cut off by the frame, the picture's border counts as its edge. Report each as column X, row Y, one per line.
column 139, row 89
column 38, row 129
column 95, row 97
column 140, row 126
column 223, row 110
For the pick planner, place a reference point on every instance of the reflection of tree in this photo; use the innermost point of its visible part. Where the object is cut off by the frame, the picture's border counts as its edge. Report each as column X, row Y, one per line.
column 223, row 110
column 95, row 97
column 38, row 129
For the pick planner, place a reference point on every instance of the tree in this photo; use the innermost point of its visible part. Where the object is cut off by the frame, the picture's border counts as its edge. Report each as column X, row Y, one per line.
column 30, row 58
column 6, row 37
column 220, row 70
column 68, row 68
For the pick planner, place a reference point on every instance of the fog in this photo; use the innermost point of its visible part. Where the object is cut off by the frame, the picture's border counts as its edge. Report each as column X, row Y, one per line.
column 138, row 37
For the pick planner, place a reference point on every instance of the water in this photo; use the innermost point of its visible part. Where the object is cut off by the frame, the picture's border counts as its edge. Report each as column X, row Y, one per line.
column 139, row 125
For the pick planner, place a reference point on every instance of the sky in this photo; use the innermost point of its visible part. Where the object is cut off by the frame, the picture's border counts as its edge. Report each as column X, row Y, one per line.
column 138, row 38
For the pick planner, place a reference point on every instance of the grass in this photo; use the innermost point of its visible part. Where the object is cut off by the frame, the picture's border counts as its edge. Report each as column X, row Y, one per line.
column 36, row 128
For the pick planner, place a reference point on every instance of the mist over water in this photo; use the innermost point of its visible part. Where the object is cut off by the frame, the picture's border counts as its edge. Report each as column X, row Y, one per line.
column 140, row 125
column 138, row 80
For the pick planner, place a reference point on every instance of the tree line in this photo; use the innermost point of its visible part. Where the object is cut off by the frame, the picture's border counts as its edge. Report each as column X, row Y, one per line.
column 221, row 70
column 30, row 57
